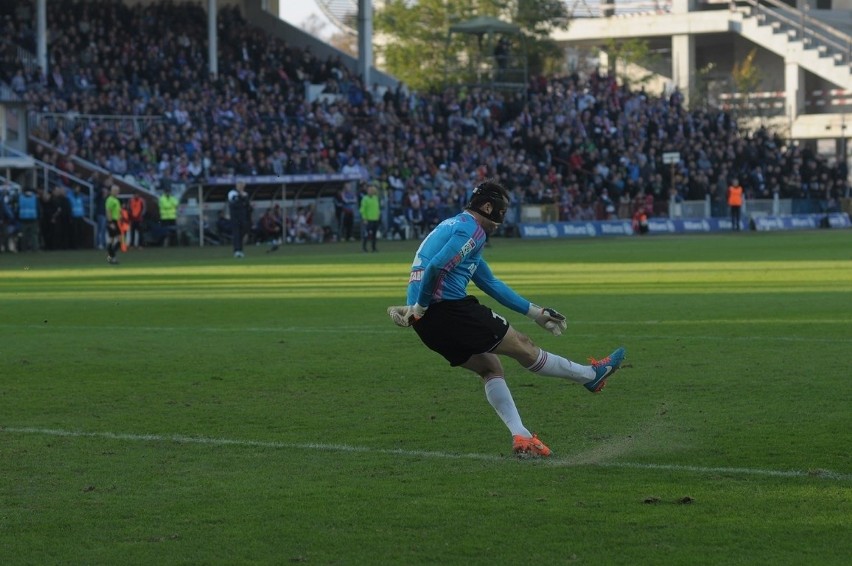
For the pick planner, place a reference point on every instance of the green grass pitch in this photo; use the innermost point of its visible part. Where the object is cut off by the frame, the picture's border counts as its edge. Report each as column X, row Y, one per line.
column 185, row 407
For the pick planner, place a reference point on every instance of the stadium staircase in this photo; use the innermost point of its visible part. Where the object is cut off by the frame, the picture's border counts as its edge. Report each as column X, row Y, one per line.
column 821, row 46
column 815, row 46
column 46, row 175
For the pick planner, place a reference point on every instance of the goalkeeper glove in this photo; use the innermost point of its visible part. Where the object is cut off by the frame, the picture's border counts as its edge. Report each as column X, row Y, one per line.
column 548, row 319
column 406, row 315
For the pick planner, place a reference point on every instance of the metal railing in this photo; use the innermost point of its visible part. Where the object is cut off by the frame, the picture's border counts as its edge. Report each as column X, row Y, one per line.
column 28, row 60
column 123, row 180
column 7, row 183
column 48, row 176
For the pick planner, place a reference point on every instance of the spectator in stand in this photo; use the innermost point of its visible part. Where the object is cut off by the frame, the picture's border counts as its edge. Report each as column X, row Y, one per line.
column 18, row 83
column 624, row 205
column 587, row 130
column 431, row 216
column 413, row 204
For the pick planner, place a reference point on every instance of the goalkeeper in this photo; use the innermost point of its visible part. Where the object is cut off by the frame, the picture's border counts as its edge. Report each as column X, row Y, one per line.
column 471, row 335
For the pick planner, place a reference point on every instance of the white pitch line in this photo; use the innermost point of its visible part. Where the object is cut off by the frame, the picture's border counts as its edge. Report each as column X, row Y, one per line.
column 558, row 462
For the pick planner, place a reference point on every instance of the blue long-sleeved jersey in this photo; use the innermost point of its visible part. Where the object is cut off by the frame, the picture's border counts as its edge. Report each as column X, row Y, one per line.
column 449, row 258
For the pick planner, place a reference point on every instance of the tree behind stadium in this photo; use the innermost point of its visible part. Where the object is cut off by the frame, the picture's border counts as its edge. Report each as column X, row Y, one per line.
column 415, row 48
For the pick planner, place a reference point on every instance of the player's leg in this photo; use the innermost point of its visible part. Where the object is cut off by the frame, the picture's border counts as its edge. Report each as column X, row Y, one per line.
column 113, row 241
column 490, row 370
column 112, row 248
column 520, row 347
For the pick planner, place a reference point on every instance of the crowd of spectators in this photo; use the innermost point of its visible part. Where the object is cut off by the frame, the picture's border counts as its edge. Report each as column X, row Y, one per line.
column 582, row 143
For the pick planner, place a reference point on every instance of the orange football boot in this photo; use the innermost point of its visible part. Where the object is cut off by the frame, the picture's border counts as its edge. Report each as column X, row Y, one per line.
column 529, row 446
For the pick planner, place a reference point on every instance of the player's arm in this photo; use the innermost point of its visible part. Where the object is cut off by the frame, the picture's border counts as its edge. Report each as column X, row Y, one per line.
column 545, row 317
column 485, row 279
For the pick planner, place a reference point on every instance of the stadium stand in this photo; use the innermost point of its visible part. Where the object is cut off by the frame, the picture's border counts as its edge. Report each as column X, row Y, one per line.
column 130, row 95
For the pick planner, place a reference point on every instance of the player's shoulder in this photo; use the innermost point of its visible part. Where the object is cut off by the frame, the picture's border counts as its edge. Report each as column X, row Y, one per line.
column 462, row 222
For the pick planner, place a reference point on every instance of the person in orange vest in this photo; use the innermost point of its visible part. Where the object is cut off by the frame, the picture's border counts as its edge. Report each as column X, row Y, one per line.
column 137, row 217
column 735, row 202
column 124, row 225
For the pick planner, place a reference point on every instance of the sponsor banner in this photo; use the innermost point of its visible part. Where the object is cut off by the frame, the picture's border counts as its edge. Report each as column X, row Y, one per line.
column 691, row 225
column 589, row 229
column 594, row 229
column 802, row 221
column 620, row 228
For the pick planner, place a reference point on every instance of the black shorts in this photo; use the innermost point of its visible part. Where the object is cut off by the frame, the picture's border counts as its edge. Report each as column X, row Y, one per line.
column 460, row 329
column 113, row 229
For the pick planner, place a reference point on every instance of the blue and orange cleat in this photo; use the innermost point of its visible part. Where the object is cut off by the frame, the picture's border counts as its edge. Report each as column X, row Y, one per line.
column 605, row 368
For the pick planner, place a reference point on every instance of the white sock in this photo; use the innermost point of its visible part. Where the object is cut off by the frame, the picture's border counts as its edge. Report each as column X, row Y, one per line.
column 498, row 394
column 551, row 365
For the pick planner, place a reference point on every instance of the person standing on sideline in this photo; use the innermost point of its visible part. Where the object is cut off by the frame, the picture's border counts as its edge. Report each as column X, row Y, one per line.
column 168, row 215
column 735, row 202
column 472, row 336
column 46, row 212
column 78, row 215
column 138, row 207
column 371, row 212
column 100, row 211
column 347, row 201
column 113, row 216
column 240, row 209
column 9, row 225
column 61, row 219
column 28, row 215
column 101, row 195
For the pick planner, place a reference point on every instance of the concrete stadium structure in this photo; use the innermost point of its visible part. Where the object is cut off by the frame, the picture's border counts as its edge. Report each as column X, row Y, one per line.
column 804, row 55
